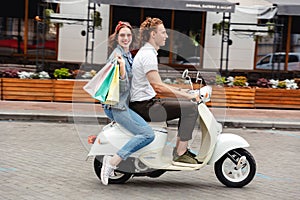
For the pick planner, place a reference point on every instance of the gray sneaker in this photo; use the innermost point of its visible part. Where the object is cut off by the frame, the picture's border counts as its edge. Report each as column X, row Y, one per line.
column 185, row 160
column 107, row 170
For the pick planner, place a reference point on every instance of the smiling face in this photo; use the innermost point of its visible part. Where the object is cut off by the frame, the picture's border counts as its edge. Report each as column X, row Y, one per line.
column 125, row 38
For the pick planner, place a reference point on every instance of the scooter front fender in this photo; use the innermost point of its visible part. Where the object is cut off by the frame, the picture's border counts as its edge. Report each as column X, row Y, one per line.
column 225, row 143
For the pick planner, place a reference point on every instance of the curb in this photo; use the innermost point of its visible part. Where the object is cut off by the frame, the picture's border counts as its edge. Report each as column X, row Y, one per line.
column 102, row 119
column 54, row 118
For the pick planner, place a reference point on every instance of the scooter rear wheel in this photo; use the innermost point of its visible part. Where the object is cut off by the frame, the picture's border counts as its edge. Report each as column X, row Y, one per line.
column 229, row 175
column 118, row 178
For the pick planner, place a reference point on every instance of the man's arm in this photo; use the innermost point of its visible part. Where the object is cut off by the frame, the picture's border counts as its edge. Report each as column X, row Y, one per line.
column 163, row 89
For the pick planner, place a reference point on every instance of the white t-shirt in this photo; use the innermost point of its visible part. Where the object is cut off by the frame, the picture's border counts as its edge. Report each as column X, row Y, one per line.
column 144, row 61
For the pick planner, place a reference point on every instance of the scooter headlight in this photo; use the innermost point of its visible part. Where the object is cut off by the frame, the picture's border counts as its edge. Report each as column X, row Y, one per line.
column 205, row 93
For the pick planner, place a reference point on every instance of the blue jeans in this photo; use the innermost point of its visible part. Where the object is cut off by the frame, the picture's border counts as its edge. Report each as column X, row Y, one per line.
column 143, row 133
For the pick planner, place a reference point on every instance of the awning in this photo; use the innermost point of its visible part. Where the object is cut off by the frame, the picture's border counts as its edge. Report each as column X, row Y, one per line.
column 267, row 9
column 287, row 7
column 261, row 8
column 269, row 13
column 188, row 5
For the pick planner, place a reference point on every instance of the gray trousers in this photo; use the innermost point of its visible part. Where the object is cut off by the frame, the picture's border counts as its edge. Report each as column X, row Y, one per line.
column 158, row 110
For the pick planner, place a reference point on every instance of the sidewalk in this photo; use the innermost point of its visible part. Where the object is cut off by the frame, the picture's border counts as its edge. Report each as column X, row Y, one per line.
column 89, row 113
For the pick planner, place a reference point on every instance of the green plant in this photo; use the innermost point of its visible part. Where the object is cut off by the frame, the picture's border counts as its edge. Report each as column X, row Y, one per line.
column 271, row 28
column 96, row 16
column 62, row 73
column 217, row 27
column 220, row 80
column 195, row 37
column 281, row 84
column 47, row 13
column 240, row 81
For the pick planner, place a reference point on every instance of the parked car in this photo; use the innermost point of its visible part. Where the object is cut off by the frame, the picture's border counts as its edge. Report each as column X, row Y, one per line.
column 266, row 61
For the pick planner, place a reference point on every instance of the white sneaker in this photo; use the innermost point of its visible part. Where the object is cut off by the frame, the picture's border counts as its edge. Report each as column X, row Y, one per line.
column 107, row 170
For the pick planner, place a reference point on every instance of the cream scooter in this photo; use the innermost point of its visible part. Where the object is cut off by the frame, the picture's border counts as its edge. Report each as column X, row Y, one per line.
column 234, row 166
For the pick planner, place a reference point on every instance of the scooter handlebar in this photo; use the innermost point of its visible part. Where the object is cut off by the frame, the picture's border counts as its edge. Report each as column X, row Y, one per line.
column 204, row 92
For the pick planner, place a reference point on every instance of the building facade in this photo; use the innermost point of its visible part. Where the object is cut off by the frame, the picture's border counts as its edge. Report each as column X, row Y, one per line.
column 38, row 33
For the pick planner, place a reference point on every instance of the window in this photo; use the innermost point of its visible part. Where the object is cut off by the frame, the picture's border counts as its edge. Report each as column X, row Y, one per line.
column 188, row 43
column 278, row 58
column 293, row 58
column 295, row 35
column 266, row 60
column 184, row 31
column 166, row 17
column 41, row 37
column 278, row 41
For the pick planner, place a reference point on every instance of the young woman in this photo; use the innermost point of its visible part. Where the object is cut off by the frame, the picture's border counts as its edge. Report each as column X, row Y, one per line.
column 120, row 43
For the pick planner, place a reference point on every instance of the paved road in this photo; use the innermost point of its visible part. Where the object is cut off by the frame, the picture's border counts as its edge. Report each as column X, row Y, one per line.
column 47, row 161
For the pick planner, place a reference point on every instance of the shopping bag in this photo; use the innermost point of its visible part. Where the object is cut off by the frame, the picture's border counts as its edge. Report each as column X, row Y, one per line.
column 102, row 91
column 113, row 92
column 94, row 84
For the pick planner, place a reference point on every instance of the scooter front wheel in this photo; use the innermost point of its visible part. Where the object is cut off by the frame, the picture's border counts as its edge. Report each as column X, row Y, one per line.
column 232, row 174
column 118, row 178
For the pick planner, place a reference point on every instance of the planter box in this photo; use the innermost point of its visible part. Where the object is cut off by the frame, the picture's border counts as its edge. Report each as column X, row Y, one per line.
column 182, row 86
column 232, row 97
column 277, row 98
column 71, row 91
column 44, row 90
column 227, row 96
column 27, row 89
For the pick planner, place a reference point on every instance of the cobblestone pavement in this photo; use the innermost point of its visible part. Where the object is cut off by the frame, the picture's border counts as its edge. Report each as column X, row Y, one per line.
column 47, row 161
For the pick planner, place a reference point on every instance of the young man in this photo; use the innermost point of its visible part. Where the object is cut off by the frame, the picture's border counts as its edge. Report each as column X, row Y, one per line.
column 147, row 83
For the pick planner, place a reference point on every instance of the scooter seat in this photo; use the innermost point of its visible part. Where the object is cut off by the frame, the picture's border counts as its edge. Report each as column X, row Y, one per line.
column 159, row 126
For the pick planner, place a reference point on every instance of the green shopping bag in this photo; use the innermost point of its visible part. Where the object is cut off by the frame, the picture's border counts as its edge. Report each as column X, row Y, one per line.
column 113, row 92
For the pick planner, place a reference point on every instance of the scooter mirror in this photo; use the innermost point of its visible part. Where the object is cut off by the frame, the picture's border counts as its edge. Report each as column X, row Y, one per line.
column 198, row 77
column 185, row 74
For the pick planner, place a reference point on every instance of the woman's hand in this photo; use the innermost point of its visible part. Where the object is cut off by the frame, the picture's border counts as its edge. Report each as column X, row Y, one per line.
column 121, row 62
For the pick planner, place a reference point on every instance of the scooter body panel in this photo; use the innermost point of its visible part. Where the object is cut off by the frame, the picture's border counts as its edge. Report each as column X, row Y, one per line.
column 113, row 137
column 225, row 143
column 210, row 130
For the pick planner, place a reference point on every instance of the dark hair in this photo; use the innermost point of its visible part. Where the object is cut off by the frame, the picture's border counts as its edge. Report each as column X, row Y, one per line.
column 112, row 42
column 147, row 26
